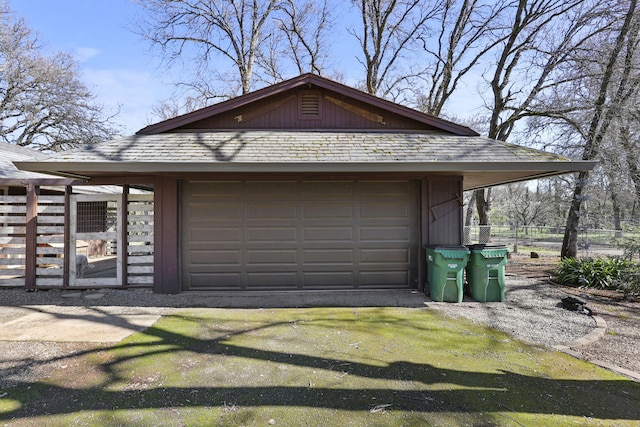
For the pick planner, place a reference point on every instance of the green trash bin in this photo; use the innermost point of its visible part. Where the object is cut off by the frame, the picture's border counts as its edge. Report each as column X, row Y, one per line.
column 485, row 272
column 445, row 272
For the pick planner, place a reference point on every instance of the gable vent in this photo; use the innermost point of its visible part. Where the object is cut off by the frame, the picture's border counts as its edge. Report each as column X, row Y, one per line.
column 310, row 105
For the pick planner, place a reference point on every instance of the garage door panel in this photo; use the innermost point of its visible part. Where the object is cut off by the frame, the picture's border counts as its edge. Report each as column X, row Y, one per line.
column 327, row 210
column 212, row 257
column 394, row 233
column 385, row 256
column 271, row 256
column 300, row 234
column 384, row 211
column 271, row 234
column 270, row 280
column 214, row 211
column 267, row 211
column 328, row 257
column 328, row 234
column 218, row 234
column 324, row 279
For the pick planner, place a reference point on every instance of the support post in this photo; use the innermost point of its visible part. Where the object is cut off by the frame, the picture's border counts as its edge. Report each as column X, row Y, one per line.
column 67, row 237
column 124, row 235
column 31, row 236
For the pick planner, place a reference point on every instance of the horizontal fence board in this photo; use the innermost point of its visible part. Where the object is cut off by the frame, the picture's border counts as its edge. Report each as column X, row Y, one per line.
column 50, row 209
column 140, row 249
column 13, row 199
column 139, row 239
column 13, row 219
column 11, row 263
column 57, row 272
column 50, row 239
column 12, row 282
column 140, row 206
column 53, row 282
column 15, row 250
column 106, row 235
column 50, row 250
column 13, row 209
column 9, row 240
column 140, row 197
column 140, row 259
column 140, row 280
column 12, row 272
column 140, row 270
column 97, row 197
column 49, row 199
column 49, row 261
column 144, row 218
column 50, row 229
column 140, row 228
column 13, row 230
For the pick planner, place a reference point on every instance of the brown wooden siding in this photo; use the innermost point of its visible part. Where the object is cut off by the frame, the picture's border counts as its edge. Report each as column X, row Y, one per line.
column 442, row 214
column 284, row 112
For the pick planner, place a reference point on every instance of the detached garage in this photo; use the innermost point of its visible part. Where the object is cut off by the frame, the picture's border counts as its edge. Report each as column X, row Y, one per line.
column 306, row 184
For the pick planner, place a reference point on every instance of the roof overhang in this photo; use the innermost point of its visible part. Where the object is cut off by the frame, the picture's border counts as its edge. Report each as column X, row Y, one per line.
column 475, row 174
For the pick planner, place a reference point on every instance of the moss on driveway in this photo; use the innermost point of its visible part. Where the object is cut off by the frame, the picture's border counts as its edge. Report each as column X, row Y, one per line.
column 321, row 367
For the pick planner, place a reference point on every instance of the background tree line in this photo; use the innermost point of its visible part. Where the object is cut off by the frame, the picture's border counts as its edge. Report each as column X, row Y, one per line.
column 555, row 74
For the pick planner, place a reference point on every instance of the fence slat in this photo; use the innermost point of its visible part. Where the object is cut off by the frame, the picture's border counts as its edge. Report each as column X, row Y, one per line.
column 17, row 282
column 140, row 280
column 140, row 259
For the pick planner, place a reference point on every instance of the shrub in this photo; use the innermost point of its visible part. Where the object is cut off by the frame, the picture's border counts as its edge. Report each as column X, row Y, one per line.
column 630, row 247
column 599, row 273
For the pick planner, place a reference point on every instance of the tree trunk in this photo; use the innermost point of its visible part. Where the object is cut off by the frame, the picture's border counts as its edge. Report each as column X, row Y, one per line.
column 570, row 240
column 483, row 205
column 617, row 222
column 468, row 217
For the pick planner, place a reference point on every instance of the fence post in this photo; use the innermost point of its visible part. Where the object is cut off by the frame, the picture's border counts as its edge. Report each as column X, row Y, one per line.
column 31, row 250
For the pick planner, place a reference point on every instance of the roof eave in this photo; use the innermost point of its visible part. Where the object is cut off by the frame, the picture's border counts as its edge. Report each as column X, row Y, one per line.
column 69, row 168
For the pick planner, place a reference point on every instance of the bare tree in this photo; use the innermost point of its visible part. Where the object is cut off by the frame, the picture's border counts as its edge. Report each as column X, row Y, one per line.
column 208, row 30
column 543, row 36
column 467, row 32
column 305, row 27
column 614, row 83
column 388, row 35
column 43, row 103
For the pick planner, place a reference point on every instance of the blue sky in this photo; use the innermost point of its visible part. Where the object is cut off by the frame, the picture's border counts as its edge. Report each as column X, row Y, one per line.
column 118, row 66
column 115, row 63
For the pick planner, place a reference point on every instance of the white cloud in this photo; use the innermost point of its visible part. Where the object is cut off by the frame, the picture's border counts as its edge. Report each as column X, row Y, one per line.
column 133, row 92
column 86, row 53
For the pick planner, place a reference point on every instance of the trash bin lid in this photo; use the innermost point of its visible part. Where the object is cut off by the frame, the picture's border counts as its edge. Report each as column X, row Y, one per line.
column 449, row 251
column 482, row 246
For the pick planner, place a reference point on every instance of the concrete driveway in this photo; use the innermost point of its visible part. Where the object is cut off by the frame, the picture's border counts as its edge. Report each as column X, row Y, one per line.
column 73, row 324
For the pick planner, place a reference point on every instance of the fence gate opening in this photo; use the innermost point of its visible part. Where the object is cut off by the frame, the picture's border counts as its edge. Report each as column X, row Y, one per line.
column 95, row 247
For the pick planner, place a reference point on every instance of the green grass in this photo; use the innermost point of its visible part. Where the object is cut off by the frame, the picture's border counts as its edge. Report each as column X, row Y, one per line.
column 322, row 367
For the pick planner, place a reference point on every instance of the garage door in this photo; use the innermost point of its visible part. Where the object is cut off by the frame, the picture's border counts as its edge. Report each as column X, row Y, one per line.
column 267, row 235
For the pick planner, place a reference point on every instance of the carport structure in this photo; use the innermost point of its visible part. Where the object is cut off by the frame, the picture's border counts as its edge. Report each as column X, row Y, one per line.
column 306, row 184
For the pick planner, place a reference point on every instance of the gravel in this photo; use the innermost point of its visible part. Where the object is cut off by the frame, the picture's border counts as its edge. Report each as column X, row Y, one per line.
column 531, row 312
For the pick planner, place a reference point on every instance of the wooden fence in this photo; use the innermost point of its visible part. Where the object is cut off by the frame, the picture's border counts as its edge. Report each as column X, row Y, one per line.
column 47, row 256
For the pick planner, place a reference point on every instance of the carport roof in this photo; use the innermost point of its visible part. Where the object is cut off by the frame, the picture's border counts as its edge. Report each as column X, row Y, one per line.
column 481, row 161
